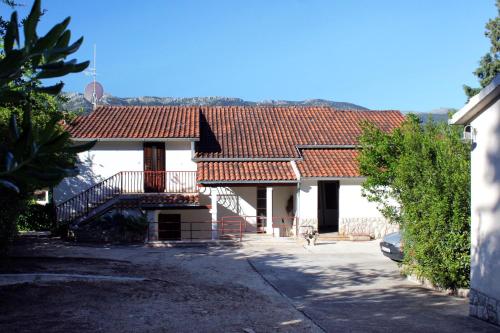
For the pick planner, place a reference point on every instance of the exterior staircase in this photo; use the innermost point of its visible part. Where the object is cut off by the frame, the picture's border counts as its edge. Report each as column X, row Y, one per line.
column 126, row 186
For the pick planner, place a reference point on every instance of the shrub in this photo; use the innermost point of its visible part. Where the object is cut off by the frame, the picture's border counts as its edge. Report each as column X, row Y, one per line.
column 420, row 177
column 9, row 207
column 113, row 228
column 36, row 217
column 128, row 223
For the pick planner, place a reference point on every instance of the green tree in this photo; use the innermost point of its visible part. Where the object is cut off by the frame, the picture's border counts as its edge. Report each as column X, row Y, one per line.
column 419, row 175
column 489, row 65
column 38, row 152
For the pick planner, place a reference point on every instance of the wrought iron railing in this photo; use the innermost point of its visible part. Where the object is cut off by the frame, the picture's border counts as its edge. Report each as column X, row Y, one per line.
column 195, row 231
column 126, row 182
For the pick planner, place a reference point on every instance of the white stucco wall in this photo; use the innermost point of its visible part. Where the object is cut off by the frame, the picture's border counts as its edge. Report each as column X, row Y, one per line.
column 178, row 156
column 308, row 201
column 282, row 221
column 102, row 161
column 485, row 203
column 237, row 201
column 281, row 194
column 356, row 214
column 307, row 206
column 108, row 158
column 200, row 228
column 352, row 203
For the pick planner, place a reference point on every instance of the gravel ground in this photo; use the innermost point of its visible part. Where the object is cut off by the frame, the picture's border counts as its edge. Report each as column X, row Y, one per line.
column 186, row 290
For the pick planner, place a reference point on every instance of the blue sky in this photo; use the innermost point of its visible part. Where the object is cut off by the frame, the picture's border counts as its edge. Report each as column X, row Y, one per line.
column 385, row 54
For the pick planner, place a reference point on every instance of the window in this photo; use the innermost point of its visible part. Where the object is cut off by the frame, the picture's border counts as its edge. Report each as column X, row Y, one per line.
column 261, row 209
column 41, row 197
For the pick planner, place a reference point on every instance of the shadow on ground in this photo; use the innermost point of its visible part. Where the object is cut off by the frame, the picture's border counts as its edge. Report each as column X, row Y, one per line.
column 341, row 286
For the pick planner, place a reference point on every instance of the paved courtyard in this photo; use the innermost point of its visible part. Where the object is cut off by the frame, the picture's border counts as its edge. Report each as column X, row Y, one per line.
column 262, row 286
column 351, row 286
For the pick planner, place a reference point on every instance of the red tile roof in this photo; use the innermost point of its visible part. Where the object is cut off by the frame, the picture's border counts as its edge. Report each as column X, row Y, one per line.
column 329, row 163
column 245, row 171
column 160, row 199
column 245, row 132
column 138, row 122
column 274, row 132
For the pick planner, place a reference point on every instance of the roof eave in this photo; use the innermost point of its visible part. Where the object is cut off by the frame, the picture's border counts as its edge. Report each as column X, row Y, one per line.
column 215, row 182
column 334, row 178
column 137, row 139
column 477, row 103
column 245, row 159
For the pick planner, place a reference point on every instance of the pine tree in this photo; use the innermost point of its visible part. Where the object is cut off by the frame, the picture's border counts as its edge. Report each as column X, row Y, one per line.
column 489, row 66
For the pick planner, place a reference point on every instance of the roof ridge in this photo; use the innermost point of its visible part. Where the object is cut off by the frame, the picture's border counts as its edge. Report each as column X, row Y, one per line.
column 240, row 107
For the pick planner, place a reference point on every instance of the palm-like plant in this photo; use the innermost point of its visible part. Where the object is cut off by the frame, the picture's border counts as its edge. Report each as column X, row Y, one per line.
column 29, row 155
column 33, row 155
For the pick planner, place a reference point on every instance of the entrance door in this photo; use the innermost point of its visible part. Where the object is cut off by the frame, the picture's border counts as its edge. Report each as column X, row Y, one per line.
column 169, row 227
column 154, row 167
column 328, row 206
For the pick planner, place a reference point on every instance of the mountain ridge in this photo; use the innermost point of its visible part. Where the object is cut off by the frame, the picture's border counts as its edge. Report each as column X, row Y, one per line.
column 77, row 102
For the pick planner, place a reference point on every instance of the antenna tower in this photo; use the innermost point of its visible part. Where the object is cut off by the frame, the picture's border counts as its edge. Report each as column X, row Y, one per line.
column 94, row 90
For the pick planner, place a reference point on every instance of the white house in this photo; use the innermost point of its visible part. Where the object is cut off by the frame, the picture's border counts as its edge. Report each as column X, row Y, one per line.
column 203, row 171
column 481, row 117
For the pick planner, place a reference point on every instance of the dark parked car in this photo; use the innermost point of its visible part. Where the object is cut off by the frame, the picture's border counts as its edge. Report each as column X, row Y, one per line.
column 391, row 246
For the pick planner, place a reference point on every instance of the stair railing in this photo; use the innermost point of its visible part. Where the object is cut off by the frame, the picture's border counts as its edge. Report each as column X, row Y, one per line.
column 125, row 182
column 96, row 195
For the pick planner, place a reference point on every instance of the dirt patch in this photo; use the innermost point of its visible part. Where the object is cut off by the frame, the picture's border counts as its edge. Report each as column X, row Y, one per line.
column 173, row 299
column 131, row 307
column 60, row 265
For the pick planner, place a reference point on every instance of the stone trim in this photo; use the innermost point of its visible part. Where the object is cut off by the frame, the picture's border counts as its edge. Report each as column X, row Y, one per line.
column 375, row 227
column 484, row 307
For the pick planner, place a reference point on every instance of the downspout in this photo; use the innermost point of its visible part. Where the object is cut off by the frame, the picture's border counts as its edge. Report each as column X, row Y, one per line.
column 297, row 204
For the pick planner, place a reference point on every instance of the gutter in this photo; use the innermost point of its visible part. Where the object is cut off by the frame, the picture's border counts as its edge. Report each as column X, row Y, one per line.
column 217, row 182
column 274, row 159
column 297, row 195
column 333, row 178
column 327, row 146
column 246, row 159
column 136, row 139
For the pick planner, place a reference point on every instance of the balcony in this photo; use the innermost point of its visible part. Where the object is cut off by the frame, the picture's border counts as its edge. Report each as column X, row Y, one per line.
column 158, row 182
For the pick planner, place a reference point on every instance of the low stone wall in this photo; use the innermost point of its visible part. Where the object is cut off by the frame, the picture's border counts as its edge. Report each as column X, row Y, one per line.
column 304, row 225
column 484, row 307
column 366, row 226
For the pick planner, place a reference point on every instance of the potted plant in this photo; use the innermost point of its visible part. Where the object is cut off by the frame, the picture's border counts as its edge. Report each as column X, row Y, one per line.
column 311, row 236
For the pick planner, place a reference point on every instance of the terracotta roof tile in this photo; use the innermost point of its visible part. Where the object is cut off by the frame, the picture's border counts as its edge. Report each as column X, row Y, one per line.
column 329, row 163
column 160, row 199
column 245, row 171
column 138, row 122
column 274, row 132
column 234, row 131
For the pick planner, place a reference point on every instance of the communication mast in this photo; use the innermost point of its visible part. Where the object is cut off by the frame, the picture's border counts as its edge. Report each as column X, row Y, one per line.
column 94, row 90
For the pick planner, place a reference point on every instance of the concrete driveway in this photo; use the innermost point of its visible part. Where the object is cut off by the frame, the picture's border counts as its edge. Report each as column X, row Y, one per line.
column 351, row 286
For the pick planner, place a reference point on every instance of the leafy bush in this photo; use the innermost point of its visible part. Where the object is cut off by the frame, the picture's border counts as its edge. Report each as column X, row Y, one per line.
column 420, row 177
column 113, row 228
column 36, row 217
column 129, row 223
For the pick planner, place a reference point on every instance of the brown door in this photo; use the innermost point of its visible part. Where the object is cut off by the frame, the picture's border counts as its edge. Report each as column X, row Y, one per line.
column 154, row 167
column 169, row 226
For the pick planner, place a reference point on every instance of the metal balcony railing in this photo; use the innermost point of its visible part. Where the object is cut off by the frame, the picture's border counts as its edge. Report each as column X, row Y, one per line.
column 126, row 182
